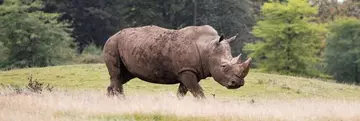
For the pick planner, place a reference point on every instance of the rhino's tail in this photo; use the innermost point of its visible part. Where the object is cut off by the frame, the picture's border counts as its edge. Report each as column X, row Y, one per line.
column 110, row 51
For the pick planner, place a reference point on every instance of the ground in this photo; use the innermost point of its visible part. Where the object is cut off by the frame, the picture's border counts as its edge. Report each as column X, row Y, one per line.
column 80, row 95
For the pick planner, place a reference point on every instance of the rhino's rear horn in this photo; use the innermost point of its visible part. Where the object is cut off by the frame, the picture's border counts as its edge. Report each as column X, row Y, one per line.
column 239, row 58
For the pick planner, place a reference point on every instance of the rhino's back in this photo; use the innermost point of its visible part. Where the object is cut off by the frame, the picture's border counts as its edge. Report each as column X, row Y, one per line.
column 156, row 54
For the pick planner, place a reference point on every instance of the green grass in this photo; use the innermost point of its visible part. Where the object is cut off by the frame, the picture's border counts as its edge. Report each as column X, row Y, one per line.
column 259, row 87
column 150, row 117
column 95, row 76
column 130, row 117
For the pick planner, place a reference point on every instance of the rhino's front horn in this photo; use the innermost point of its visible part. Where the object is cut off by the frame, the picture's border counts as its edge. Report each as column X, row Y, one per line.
column 231, row 39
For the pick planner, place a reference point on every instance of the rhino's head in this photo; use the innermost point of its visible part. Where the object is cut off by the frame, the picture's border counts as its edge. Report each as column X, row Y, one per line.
column 227, row 70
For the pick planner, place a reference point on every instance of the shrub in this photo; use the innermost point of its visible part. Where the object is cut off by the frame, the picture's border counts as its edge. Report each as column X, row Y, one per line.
column 291, row 41
column 91, row 54
column 342, row 52
column 33, row 38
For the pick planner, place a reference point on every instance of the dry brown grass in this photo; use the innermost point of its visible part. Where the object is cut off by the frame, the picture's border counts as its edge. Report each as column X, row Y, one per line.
column 83, row 105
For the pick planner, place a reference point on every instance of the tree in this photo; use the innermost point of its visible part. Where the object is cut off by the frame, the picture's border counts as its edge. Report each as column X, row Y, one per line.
column 171, row 14
column 32, row 37
column 229, row 17
column 3, row 53
column 351, row 8
column 94, row 21
column 342, row 53
column 328, row 9
column 290, row 41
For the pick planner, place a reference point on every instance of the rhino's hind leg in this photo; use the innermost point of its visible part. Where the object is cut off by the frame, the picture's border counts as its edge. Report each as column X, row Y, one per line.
column 113, row 66
column 119, row 75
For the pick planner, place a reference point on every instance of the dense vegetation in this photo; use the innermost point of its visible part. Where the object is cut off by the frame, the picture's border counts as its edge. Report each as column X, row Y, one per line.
column 32, row 37
column 342, row 54
column 297, row 37
column 290, row 39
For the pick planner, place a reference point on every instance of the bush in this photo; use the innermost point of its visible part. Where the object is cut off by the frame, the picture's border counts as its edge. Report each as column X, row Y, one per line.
column 91, row 54
column 342, row 52
column 33, row 87
column 3, row 53
column 291, row 40
column 31, row 37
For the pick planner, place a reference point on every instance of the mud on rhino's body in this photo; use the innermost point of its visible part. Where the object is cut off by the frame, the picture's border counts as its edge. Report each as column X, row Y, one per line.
column 165, row 56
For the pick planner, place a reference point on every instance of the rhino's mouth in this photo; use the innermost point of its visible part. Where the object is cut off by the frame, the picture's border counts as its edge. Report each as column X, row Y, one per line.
column 233, row 87
column 235, row 84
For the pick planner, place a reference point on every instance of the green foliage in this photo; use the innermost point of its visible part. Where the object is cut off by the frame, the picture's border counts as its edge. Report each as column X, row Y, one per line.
column 342, row 52
column 93, row 20
column 291, row 42
column 91, row 54
column 329, row 10
column 3, row 53
column 228, row 17
column 32, row 37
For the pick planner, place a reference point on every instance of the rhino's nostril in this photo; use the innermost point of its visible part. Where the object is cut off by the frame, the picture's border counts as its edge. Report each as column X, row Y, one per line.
column 231, row 83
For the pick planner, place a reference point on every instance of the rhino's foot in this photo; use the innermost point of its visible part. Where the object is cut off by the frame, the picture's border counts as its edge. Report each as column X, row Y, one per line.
column 182, row 90
column 199, row 95
column 115, row 92
column 180, row 97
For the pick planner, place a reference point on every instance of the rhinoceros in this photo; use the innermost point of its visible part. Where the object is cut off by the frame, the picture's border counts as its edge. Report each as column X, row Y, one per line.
column 173, row 56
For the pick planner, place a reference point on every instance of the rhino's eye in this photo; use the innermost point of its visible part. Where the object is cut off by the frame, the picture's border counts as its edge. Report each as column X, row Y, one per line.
column 224, row 68
column 223, row 65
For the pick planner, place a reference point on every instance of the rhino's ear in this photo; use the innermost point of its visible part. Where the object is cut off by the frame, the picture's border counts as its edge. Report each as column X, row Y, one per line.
column 221, row 38
column 231, row 39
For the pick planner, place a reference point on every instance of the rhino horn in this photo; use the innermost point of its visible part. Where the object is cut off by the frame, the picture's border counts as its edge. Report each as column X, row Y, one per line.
column 238, row 58
column 248, row 61
column 231, row 39
column 247, row 66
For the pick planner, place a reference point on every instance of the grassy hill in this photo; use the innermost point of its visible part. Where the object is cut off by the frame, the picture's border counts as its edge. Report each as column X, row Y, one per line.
column 81, row 90
column 259, row 85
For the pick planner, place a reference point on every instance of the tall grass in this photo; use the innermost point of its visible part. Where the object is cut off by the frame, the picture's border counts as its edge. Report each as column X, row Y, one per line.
column 94, row 105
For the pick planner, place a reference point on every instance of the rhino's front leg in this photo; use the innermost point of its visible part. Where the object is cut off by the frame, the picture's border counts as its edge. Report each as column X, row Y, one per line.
column 181, row 91
column 190, row 81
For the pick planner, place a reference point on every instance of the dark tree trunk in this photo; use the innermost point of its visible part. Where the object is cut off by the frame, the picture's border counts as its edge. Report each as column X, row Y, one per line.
column 356, row 69
column 288, row 51
column 357, row 80
column 195, row 12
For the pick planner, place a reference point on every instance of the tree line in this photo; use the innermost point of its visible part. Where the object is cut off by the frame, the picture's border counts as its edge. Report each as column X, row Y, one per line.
column 316, row 38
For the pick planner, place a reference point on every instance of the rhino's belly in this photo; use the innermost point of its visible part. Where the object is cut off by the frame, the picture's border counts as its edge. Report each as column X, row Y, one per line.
column 155, row 76
column 161, row 72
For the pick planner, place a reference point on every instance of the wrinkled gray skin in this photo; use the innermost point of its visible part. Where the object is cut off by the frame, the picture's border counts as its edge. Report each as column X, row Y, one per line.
column 165, row 56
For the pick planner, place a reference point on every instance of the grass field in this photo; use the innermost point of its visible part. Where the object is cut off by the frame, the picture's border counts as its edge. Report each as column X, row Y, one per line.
column 80, row 95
